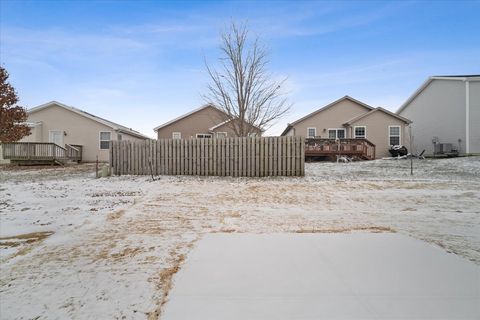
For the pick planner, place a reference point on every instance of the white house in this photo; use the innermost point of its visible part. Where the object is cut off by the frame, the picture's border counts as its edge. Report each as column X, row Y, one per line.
column 445, row 109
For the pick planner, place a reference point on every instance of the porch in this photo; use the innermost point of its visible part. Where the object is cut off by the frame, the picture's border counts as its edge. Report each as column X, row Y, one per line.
column 331, row 148
column 40, row 152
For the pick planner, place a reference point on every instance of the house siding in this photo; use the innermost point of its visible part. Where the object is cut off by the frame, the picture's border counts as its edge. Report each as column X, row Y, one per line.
column 79, row 130
column 377, row 131
column 474, row 117
column 332, row 117
column 439, row 112
column 198, row 122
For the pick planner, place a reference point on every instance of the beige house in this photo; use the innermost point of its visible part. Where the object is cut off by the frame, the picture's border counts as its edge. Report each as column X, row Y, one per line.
column 65, row 125
column 348, row 118
column 204, row 122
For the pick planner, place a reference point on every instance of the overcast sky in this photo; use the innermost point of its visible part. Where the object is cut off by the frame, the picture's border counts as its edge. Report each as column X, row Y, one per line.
column 141, row 63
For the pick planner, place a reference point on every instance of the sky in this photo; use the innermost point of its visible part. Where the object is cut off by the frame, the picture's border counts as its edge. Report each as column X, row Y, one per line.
column 142, row 63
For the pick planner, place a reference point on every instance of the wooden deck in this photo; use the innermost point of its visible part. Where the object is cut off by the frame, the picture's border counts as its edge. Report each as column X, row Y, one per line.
column 331, row 148
column 40, row 152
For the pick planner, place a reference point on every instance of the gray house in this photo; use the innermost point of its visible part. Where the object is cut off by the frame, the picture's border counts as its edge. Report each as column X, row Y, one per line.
column 445, row 110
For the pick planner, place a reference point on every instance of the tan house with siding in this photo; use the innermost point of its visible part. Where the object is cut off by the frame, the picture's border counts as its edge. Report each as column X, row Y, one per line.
column 348, row 118
column 204, row 122
column 65, row 125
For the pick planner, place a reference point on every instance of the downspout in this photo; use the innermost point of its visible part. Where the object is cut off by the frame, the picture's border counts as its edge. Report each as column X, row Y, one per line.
column 467, row 116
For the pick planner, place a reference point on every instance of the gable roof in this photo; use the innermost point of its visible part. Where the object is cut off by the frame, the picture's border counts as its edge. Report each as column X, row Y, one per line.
column 290, row 125
column 195, row 111
column 473, row 77
column 205, row 106
column 349, row 122
column 113, row 125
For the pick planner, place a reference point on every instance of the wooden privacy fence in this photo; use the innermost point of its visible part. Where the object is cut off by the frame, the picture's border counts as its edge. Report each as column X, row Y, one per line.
column 238, row 157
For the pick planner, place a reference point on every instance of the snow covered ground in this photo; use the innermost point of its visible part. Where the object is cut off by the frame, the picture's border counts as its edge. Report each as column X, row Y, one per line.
column 72, row 246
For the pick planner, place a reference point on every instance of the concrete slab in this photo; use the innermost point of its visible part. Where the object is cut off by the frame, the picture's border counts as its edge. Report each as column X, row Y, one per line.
column 323, row 276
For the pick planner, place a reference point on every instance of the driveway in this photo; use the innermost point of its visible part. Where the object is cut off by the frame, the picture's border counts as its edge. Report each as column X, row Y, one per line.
column 323, row 276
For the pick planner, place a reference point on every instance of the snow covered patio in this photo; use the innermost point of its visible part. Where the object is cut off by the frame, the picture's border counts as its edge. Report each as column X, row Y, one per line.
column 72, row 246
column 323, row 276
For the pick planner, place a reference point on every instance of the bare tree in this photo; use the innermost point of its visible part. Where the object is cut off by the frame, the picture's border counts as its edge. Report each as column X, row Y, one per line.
column 243, row 88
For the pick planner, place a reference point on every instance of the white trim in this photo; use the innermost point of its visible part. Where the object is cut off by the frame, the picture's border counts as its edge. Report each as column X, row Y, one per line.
column 427, row 82
column 203, row 134
column 179, row 135
column 399, row 134
column 467, row 112
column 355, row 134
column 219, row 125
column 222, row 132
column 336, row 133
column 308, row 129
column 100, row 139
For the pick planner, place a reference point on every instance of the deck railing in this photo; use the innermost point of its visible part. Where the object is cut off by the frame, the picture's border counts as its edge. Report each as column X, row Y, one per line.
column 74, row 152
column 330, row 147
column 40, row 151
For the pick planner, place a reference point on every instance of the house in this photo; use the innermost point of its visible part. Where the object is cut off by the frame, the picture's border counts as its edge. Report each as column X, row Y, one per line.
column 445, row 110
column 348, row 118
column 204, row 122
column 66, row 126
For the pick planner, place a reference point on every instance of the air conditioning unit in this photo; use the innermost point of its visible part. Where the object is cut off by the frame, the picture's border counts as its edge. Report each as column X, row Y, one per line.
column 441, row 148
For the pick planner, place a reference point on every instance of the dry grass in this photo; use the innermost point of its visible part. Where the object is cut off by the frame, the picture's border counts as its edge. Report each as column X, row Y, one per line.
column 26, row 238
column 374, row 229
column 115, row 215
column 166, row 283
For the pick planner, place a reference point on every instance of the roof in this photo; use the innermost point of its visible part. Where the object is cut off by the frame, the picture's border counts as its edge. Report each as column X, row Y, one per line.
column 88, row 115
column 183, row 116
column 366, row 114
column 195, row 111
column 290, row 125
column 472, row 77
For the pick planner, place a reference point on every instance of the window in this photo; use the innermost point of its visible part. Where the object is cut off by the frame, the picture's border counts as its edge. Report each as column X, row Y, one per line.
column 203, row 135
column 221, row 135
column 176, row 135
column 105, row 137
column 394, row 135
column 360, row 132
column 336, row 133
column 311, row 132
column 119, row 137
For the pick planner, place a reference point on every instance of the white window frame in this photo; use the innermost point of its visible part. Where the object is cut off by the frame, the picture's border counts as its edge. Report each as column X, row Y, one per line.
column 225, row 133
column 399, row 134
column 308, row 129
column 336, row 133
column 205, row 135
column 100, row 139
column 355, row 133
column 176, row 135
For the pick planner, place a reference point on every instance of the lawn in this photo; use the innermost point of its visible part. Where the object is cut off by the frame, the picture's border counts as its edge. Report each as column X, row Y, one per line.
column 72, row 246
